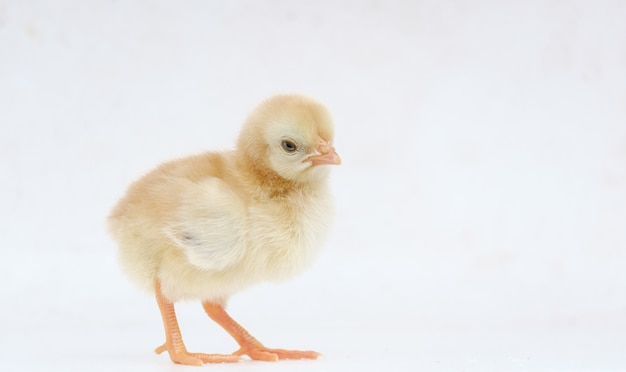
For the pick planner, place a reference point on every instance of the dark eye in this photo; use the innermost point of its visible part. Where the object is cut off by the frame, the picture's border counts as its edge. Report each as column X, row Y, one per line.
column 288, row 145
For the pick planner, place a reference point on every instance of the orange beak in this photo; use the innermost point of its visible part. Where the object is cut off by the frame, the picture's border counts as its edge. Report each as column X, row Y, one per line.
column 327, row 155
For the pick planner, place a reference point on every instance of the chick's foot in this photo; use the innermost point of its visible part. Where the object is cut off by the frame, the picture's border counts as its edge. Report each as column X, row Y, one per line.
column 174, row 344
column 249, row 345
column 180, row 355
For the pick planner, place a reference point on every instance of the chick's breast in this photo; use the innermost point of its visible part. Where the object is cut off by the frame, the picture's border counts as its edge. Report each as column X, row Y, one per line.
column 284, row 236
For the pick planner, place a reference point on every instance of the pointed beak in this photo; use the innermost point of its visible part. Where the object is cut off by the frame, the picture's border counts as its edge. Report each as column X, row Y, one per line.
column 327, row 155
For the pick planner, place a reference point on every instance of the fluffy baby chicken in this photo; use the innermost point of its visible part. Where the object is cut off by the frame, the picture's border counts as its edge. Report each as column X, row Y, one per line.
column 207, row 226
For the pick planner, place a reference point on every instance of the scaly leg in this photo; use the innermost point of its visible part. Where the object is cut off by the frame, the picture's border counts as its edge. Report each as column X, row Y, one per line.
column 249, row 345
column 174, row 341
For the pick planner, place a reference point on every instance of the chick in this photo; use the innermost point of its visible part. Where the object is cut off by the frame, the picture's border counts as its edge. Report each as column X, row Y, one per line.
column 207, row 226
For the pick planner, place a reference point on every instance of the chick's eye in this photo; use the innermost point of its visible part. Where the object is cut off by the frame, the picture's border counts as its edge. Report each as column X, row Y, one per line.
column 288, row 146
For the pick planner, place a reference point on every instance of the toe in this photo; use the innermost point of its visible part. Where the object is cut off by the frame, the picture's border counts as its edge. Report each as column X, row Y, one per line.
column 186, row 359
column 216, row 358
column 273, row 355
column 263, row 355
column 295, row 354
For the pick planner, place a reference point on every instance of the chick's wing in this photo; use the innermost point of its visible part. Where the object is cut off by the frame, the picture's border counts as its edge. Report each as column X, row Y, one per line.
column 209, row 225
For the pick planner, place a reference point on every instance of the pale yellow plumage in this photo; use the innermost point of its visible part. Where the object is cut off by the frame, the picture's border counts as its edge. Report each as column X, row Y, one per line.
column 207, row 226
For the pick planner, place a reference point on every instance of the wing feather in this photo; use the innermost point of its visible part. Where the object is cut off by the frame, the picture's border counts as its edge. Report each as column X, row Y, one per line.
column 209, row 224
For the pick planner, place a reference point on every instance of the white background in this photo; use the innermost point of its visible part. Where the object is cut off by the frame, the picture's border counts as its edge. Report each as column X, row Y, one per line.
column 481, row 204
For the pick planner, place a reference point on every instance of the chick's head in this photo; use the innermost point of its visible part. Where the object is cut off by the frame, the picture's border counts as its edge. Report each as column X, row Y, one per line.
column 291, row 135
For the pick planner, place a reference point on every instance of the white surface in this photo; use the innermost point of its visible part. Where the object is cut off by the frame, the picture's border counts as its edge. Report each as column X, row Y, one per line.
column 481, row 220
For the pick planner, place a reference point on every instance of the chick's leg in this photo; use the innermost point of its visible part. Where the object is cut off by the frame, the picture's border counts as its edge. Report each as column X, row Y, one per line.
column 249, row 345
column 174, row 341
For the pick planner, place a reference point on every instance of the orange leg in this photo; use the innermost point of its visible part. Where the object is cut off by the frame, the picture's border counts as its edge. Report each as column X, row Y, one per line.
column 249, row 345
column 174, row 341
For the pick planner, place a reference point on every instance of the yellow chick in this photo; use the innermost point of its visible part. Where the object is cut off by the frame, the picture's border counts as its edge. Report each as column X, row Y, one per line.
column 207, row 226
